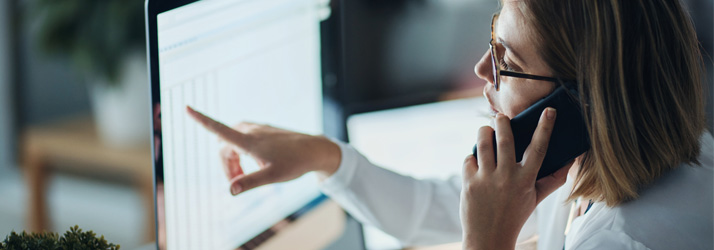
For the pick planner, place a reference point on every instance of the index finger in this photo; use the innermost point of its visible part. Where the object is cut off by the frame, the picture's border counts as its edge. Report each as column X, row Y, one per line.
column 535, row 153
column 224, row 132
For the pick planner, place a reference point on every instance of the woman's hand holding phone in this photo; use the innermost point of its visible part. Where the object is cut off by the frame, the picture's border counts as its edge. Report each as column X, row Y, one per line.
column 499, row 194
column 282, row 155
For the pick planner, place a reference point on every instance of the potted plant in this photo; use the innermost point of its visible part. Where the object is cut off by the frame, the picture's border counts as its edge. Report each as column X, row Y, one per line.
column 74, row 238
column 104, row 41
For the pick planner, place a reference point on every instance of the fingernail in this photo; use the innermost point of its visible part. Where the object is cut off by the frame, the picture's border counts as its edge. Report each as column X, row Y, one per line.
column 236, row 188
column 550, row 113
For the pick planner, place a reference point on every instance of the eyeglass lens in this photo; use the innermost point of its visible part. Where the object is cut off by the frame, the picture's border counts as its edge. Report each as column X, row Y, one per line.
column 494, row 56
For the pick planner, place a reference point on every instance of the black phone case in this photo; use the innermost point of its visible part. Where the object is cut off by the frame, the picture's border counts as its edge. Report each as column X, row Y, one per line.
column 569, row 138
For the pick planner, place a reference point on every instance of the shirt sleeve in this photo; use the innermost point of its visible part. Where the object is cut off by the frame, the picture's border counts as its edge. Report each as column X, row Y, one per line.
column 417, row 212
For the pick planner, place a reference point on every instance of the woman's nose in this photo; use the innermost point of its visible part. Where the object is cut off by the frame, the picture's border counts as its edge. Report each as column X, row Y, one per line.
column 483, row 67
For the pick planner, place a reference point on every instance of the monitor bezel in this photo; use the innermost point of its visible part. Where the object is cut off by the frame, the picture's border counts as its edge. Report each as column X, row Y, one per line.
column 152, row 8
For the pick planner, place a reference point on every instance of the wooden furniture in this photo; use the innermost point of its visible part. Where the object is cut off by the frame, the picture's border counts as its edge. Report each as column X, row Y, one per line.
column 73, row 145
column 314, row 230
column 531, row 244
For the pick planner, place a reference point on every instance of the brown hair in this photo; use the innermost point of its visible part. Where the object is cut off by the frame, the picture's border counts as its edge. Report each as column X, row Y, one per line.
column 639, row 72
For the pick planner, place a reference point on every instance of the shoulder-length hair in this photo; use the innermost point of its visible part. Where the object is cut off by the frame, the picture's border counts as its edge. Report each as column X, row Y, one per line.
column 639, row 71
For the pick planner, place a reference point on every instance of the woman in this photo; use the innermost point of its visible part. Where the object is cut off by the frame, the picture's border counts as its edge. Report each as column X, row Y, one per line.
column 645, row 182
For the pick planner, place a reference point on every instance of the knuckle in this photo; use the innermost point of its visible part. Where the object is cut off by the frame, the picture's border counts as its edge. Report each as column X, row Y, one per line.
column 213, row 126
column 250, row 139
column 470, row 165
column 246, row 184
column 253, row 126
column 271, row 175
column 471, row 187
column 504, row 142
column 541, row 149
column 545, row 126
column 485, row 138
column 484, row 146
column 224, row 130
column 244, row 126
column 235, row 138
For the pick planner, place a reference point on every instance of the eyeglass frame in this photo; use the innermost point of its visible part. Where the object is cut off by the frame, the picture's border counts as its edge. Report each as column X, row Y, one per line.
column 496, row 70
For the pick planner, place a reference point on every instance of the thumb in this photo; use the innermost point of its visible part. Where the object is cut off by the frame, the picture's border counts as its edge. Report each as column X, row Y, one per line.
column 246, row 182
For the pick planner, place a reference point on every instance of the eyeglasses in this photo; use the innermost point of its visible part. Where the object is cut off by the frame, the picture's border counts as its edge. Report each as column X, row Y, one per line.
column 496, row 68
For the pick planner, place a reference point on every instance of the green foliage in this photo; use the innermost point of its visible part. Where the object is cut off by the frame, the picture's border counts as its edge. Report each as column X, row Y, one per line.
column 95, row 35
column 74, row 239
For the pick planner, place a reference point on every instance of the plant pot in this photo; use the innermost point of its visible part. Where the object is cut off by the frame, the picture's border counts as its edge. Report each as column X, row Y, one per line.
column 122, row 110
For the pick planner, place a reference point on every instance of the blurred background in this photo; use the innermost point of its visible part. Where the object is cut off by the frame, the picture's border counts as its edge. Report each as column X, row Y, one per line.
column 74, row 108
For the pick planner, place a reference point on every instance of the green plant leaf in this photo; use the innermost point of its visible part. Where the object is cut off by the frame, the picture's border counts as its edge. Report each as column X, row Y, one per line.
column 96, row 35
column 73, row 239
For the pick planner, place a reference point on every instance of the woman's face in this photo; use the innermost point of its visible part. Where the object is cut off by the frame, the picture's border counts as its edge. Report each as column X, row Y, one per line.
column 519, row 52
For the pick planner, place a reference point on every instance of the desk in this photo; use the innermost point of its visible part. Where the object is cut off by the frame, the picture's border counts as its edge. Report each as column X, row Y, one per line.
column 74, row 145
column 314, row 230
column 530, row 244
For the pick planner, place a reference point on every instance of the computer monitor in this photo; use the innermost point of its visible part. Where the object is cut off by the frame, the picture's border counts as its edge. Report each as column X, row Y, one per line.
column 235, row 60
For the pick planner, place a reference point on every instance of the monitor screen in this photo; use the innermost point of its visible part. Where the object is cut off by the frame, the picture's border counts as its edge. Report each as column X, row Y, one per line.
column 234, row 60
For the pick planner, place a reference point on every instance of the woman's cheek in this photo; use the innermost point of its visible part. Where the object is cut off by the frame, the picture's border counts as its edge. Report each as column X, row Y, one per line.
column 509, row 102
column 516, row 109
column 512, row 107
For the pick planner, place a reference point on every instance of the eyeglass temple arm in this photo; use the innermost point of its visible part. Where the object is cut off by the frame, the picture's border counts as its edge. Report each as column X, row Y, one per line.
column 528, row 76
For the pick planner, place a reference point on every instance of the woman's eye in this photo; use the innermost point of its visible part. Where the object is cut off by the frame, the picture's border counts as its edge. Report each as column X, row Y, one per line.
column 504, row 65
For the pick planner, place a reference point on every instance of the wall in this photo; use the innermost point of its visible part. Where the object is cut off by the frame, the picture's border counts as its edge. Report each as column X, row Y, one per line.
column 405, row 52
column 48, row 86
column 34, row 88
column 6, row 107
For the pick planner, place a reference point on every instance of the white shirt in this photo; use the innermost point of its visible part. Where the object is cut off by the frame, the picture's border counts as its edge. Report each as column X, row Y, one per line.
column 674, row 213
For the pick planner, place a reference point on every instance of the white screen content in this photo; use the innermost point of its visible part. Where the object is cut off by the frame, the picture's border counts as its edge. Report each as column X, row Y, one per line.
column 234, row 60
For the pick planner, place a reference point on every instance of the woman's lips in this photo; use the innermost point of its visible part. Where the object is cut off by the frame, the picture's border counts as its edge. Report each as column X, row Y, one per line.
column 491, row 109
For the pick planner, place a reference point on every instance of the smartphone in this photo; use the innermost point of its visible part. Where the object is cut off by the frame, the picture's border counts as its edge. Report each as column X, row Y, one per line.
column 569, row 138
